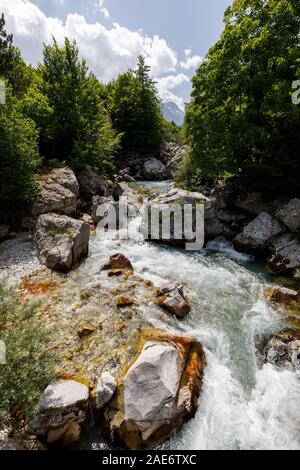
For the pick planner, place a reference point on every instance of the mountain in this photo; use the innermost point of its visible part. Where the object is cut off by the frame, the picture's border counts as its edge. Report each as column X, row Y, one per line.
column 172, row 112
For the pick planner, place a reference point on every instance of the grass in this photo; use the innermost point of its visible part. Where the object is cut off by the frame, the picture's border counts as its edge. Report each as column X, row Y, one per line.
column 29, row 366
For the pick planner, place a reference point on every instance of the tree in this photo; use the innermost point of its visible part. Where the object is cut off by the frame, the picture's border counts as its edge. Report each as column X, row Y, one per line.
column 241, row 119
column 135, row 110
column 79, row 132
column 18, row 161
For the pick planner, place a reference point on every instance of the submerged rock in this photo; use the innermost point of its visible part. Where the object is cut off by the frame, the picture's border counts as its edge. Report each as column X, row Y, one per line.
column 58, row 193
column 61, row 241
column 285, row 254
column 259, row 234
column 61, row 413
column 159, row 392
column 172, row 299
column 104, row 390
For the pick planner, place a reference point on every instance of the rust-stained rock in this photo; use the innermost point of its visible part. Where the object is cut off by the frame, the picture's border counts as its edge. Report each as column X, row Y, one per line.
column 172, row 299
column 124, row 301
column 85, row 330
column 115, row 273
column 281, row 295
column 158, row 393
column 118, row 261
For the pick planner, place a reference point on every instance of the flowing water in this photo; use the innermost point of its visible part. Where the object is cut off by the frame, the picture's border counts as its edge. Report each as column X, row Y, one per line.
column 245, row 404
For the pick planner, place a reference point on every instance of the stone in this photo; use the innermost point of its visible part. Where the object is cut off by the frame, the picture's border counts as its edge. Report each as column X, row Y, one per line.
column 172, row 299
column 285, row 254
column 124, row 301
column 91, row 184
column 154, row 169
column 158, row 394
column 281, row 352
column 61, row 242
column 61, row 413
column 104, row 390
column 118, row 261
column 86, row 218
column 58, row 193
column 259, row 234
column 106, row 202
column 85, row 330
column 281, row 295
column 173, row 200
column 289, row 215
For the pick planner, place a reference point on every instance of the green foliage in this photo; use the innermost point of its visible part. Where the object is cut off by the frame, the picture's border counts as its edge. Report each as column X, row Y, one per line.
column 241, row 119
column 29, row 367
column 188, row 174
column 79, row 132
column 173, row 133
column 18, row 161
column 135, row 110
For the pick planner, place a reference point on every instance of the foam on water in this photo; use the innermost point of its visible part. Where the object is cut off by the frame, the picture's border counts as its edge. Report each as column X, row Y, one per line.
column 244, row 404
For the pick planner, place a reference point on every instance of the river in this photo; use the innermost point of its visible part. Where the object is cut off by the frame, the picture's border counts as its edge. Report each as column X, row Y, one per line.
column 245, row 403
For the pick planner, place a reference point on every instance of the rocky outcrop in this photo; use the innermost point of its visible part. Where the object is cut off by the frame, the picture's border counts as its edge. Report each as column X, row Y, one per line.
column 289, row 215
column 259, row 234
column 61, row 241
column 159, row 392
column 172, row 155
column 58, row 193
column 172, row 299
column 285, row 254
column 91, row 184
column 118, row 261
column 104, row 390
column 154, row 169
column 254, row 203
column 61, row 413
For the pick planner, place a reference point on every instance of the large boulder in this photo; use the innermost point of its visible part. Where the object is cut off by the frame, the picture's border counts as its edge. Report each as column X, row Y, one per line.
column 259, row 234
column 163, row 206
column 159, row 392
column 105, row 202
column 59, row 190
column 289, row 215
column 154, row 169
column 172, row 299
column 285, row 254
column 61, row 413
column 91, row 184
column 61, row 241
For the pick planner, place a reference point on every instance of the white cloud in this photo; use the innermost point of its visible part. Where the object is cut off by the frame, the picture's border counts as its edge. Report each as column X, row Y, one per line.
column 104, row 10
column 165, row 84
column 108, row 51
column 192, row 61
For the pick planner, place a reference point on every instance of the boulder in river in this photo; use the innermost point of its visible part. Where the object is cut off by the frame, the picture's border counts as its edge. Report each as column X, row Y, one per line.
column 59, row 190
column 154, row 169
column 118, row 261
column 285, row 254
column 282, row 353
column 61, row 413
column 159, row 392
column 172, row 299
column 289, row 215
column 259, row 234
column 61, row 241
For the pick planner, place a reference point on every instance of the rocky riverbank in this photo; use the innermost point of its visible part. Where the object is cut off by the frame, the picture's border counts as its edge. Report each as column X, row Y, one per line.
column 110, row 354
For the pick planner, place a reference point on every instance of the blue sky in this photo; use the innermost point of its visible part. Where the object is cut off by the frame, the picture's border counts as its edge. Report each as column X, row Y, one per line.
column 172, row 34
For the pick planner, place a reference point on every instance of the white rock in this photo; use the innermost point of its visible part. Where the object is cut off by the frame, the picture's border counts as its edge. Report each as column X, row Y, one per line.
column 105, row 390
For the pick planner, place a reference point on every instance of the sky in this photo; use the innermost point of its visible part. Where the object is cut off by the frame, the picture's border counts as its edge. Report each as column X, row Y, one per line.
column 173, row 35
